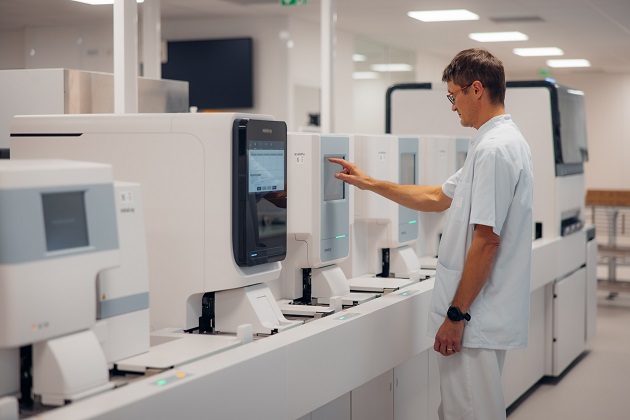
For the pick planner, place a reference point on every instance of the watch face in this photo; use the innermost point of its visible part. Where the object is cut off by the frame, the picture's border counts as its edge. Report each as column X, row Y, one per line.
column 454, row 314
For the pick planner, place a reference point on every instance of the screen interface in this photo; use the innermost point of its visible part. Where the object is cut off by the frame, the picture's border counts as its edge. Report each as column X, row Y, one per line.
column 408, row 168
column 333, row 187
column 266, row 166
column 64, row 220
column 572, row 126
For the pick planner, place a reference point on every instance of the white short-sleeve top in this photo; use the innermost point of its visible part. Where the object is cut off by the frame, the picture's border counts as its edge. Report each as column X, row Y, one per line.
column 493, row 188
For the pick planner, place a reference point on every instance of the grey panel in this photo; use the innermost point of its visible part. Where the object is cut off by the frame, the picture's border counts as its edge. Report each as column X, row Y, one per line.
column 122, row 305
column 407, row 218
column 22, row 230
column 335, row 223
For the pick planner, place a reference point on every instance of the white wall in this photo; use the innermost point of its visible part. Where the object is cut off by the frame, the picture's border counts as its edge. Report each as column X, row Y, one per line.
column 84, row 47
column 12, row 50
column 429, row 67
column 305, row 70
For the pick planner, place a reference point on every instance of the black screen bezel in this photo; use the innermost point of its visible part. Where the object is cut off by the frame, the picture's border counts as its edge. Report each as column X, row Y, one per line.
column 247, row 248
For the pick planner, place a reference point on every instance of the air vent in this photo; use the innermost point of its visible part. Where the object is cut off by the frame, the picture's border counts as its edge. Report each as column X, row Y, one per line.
column 517, row 19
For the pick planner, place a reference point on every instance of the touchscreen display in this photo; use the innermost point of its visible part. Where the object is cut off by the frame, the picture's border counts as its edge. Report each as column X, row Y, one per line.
column 408, row 168
column 266, row 166
column 64, row 220
column 333, row 187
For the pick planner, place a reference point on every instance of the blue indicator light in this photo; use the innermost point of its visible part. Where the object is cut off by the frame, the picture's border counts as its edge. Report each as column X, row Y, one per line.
column 253, row 255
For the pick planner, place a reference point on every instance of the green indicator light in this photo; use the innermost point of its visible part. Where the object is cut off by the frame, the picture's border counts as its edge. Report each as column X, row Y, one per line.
column 412, row 222
column 340, row 236
column 161, row 382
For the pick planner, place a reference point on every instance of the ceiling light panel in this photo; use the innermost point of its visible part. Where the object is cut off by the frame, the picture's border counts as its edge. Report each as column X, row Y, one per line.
column 538, row 52
column 443, row 15
column 101, row 2
column 365, row 75
column 391, row 67
column 498, row 36
column 568, row 63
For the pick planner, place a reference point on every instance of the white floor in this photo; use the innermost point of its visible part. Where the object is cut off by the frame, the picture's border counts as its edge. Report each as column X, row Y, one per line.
column 598, row 386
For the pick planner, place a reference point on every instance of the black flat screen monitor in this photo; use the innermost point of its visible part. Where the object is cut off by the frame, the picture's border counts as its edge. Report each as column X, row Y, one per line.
column 259, row 194
column 219, row 72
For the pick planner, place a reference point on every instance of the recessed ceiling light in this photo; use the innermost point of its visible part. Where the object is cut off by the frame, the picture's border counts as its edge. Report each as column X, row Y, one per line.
column 443, row 15
column 392, row 67
column 569, row 63
column 100, row 2
column 358, row 57
column 498, row 36
column 538, row 52
column 365, row 75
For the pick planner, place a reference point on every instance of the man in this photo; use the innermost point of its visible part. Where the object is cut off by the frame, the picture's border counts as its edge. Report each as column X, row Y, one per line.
column 480, row 305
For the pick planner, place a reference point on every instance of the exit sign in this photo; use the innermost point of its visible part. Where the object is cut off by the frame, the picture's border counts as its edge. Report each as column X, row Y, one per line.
column 292, row 2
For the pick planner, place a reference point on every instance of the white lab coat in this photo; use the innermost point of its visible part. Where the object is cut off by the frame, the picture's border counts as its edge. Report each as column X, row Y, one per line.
column 493, row 188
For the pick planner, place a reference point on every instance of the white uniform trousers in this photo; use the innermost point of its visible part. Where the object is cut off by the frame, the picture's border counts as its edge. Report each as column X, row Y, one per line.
column 470, row 384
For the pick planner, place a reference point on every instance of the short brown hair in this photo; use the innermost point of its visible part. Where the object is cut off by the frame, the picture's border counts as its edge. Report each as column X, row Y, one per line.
column 478, row 64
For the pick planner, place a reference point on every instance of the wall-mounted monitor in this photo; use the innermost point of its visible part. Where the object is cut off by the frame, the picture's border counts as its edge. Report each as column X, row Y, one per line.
column 219, row 72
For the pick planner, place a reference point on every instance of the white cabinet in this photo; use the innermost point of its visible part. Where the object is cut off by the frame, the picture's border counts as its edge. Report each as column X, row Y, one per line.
column 569, row 318
column 591, row 287
column 524, row 367
column 411, row 388
column 374, row 400
column 338, row 409
column 410, row 391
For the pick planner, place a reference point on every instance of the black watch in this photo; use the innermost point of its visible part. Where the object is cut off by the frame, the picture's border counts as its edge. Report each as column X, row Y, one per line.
column 455, row 314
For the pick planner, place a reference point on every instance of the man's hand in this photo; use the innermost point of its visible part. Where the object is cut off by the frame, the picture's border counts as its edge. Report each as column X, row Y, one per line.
column 448, row 339
column 352, row 174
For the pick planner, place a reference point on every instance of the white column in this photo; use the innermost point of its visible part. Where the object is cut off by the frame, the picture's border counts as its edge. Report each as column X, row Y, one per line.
column 125, row 56
column 151, row 39
column 328, row 18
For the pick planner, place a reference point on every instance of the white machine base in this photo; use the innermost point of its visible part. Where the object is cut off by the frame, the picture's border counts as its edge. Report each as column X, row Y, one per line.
column 403, row 263
column 253, row 305
column 311, row 311
column 69, row 368
column 351, row 299
column 383, row 285
column 428, row 262
column 329, row 281
column 171, row 348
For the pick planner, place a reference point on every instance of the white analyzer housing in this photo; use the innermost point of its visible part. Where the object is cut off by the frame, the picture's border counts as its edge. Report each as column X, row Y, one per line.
column 184, row 163
column 57, row 233
column 384, row 231
column 318, row 227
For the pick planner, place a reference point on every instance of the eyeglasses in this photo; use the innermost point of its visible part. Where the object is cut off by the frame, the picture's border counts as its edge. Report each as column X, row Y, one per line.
column 451, row 96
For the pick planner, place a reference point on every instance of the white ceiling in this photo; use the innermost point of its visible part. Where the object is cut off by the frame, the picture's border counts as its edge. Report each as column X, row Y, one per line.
column 597, row 30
